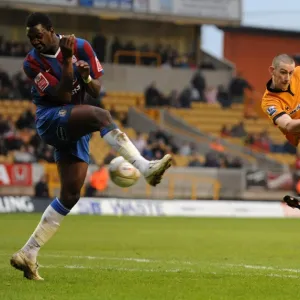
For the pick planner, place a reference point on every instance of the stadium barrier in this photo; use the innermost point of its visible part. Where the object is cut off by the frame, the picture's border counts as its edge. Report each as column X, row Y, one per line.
column 138, row 56
column 156, row 208
column 178, row 183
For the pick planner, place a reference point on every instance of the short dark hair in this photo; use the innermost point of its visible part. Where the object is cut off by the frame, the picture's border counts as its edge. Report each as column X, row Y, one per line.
column 39, row 18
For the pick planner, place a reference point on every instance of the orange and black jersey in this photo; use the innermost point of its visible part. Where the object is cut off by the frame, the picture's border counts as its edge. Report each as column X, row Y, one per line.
column 276, row 103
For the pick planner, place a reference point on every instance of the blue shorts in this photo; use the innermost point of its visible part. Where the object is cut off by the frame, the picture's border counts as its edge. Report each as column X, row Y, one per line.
column 51, row 125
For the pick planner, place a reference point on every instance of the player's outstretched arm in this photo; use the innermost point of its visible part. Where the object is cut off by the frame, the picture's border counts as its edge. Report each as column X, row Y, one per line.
column 287, row 124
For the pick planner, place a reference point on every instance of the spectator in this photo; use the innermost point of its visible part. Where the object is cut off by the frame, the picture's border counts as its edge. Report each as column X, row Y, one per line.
column 185, row 97
column 288, row 148
column 99, row 45
column 211, row 95
column 4, row 126
column 159, row 149
column 225, row 132
column 216, row 145
column 236, row 163
column 24, row 155
column 147, row 152
column 265, row 143
column 224, row 163
column 129, row 59
column 185, row 149
column 140, row 142
column 237, row 88
column 26, row 120
column 223, row 97
column 115, row 47
column 146, row 60
column 5, row 85
column 98, row 182
column 238, row 130
column 250, row 139
column 41, row 188
column 194, row 161
column 3, row 149
column 123, row 118
column 160, row 134
column 153, row 96
column 22, row 86
column 113, row 112
column 174, row 99
column 198, row 82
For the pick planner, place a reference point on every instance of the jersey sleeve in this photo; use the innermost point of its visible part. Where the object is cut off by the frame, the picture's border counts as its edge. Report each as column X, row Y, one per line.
column 43, row 81
column 297, row 72
column 272, row 108
column 87, row 54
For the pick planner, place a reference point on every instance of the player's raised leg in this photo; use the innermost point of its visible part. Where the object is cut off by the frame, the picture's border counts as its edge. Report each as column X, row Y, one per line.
column 85, row 119
column 72, row 172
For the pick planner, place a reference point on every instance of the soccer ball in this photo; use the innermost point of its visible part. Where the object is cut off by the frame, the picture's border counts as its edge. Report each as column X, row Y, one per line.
column 123, row 173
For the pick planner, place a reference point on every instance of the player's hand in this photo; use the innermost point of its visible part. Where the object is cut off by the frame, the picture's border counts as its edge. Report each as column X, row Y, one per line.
column 66, row 45
column 83, row 68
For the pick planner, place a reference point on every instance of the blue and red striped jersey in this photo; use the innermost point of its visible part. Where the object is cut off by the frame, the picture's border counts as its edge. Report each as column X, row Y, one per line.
column 45, row 72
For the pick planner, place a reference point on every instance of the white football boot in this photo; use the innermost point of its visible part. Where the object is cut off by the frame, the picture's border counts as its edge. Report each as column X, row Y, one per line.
column 156, row 169
column 23, row 263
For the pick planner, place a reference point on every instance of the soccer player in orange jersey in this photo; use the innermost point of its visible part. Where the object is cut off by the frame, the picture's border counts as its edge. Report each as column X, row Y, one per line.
column 281, row 102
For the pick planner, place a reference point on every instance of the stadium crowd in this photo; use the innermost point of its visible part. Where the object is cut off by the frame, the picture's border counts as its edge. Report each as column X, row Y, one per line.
column 169, row 56
column 199, row 91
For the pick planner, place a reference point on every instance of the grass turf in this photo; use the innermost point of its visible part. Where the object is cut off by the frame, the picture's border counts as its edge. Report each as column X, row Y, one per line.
column 135, row 258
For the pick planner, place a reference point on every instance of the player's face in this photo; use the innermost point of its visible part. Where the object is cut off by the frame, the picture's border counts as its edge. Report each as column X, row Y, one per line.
column 40, row 38
column 282, row 74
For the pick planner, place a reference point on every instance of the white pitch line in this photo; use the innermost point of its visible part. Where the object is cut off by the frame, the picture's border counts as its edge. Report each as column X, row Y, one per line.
column 264, row 268
column 113, row 268
column 148, row 260
column 141, row 260
column 118, row 269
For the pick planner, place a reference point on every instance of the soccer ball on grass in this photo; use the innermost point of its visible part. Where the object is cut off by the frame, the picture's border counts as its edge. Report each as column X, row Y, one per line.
column 123, row 173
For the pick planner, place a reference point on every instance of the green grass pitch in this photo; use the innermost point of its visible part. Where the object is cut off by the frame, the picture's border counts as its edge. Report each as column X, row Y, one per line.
column 135, row 258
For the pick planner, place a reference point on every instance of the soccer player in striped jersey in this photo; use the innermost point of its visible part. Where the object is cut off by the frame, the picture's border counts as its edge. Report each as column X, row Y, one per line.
column 63, row 69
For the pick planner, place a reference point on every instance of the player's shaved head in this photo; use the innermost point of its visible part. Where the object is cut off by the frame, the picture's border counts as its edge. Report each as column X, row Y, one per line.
column 37, row 18
column 282, row 58
column 281, row 70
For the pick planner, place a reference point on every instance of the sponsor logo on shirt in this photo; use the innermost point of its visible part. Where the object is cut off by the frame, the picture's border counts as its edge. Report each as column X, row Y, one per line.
column 295, row 110
column 76, row 89
column 41, row 81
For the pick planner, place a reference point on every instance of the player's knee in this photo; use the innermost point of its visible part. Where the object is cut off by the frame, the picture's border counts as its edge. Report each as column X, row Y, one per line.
column 69, row 199
column 103, row 117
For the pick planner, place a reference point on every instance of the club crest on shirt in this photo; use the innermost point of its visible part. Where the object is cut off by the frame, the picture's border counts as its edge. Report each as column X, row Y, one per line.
column 271, row 110
column 62, row 112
